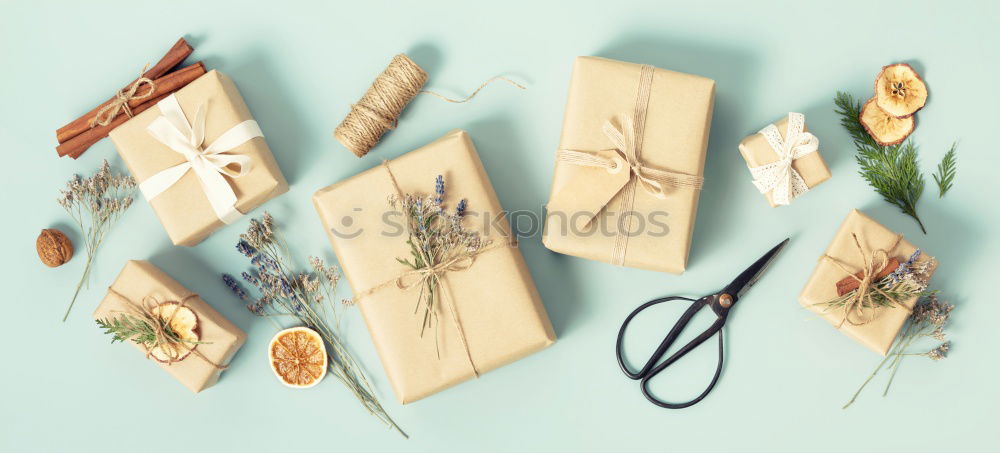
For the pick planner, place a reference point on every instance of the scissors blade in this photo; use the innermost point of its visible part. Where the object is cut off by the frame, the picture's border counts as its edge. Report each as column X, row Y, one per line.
column 752, row 274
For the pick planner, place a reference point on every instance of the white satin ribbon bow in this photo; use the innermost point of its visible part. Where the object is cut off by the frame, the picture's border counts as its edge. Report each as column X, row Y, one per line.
column 208, row 162
column 779, row 176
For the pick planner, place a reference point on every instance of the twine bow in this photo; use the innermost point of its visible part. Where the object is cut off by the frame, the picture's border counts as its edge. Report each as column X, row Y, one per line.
column 859, row 309
column 166, row 342
column 434, row 274
column 779, row 177
column 108, row 113
column 210, row 163
column 627, row 147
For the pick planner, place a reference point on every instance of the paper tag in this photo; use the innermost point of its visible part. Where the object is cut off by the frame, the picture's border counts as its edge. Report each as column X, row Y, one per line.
column 590, row 190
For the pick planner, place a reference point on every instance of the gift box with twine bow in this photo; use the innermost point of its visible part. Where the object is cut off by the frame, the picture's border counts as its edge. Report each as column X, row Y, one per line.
column 199, row 158
column 629, row 167
column 784, row 160
column 862, row 253
column 140, row 289
column 489, row 312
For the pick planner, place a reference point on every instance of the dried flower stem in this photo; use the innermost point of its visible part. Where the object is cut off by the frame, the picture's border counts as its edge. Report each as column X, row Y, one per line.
column 927, row 320
column 95, row 204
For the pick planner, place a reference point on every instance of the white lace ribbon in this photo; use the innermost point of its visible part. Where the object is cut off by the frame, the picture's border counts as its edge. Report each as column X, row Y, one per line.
column 209, row 163
column 779, row 176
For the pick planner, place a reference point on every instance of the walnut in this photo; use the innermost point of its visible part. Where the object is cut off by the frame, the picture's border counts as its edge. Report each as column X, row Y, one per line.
column 54, row 248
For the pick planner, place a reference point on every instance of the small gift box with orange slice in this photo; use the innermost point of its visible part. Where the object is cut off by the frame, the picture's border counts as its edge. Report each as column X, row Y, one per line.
column 169, row 324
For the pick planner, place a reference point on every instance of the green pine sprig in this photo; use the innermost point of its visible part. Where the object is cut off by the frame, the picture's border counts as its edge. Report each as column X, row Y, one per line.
column 892, row 170
column 126, row 327
column 945, row 176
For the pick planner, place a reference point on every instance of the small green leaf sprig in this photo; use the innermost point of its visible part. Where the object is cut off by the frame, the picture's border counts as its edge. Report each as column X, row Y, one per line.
column 946, row 170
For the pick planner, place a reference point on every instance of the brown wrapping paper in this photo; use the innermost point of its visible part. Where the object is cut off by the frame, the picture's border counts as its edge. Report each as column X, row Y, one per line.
column 496, row 300
column 879, row 334
column 184, row 209
column 139, row 280
column 675, row 138
column 756, row 152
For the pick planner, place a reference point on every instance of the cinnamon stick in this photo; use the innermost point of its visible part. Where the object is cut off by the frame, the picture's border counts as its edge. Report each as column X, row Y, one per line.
column 170, row 60
column 849, row 284
column 165, row 86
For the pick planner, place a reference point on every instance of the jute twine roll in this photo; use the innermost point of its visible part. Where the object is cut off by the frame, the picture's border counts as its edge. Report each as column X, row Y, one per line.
column 378, row 110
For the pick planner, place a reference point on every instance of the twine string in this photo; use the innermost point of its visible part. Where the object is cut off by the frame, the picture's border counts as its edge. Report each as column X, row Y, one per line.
column 108, row 113
column 860, row 305
column 379, row 109
column 167, row 343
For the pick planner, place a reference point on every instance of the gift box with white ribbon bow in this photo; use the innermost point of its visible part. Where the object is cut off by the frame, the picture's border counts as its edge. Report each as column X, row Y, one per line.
column 199, row 158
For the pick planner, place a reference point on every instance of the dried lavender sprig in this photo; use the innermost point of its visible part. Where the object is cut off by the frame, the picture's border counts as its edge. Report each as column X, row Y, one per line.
column 284, row 292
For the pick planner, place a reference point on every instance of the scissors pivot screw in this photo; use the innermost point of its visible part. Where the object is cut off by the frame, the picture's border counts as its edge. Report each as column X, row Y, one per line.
column 726, row 301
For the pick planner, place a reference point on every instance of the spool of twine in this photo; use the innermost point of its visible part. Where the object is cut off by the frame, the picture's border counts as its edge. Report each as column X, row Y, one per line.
column 378, row 110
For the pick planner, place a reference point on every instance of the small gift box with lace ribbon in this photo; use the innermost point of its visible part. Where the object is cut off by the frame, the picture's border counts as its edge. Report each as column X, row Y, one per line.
column 142, row 292
column 867, row 282
column 199, row 158
column 784, row 160
column 629, row 166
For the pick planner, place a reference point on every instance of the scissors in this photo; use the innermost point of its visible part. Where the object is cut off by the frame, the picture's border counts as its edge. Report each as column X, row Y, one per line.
column 720, row 303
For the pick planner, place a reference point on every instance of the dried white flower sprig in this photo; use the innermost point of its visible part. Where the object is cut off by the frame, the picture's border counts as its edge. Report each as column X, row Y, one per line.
column 95, row 204
column 305, row 297
column 927, row 320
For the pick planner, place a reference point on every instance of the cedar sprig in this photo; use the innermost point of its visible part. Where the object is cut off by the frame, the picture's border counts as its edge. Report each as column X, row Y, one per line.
column 945, row 176
column 892, row 170
column 126, row 327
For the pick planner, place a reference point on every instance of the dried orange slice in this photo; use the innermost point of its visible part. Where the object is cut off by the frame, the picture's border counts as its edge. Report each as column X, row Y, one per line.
column 298, row 357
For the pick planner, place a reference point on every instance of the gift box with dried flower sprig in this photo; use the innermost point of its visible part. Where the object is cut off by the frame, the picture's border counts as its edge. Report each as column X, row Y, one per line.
column 867, row 282
column 171, row 325
column 445, row 293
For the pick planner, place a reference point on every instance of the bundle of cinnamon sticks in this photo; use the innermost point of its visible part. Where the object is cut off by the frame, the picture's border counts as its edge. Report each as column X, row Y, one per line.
column 80, row 134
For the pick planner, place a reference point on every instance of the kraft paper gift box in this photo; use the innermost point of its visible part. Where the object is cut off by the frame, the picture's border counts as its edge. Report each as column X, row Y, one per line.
column 143, row 283
column 232, row 161
column 494, row 298
column 878, row 329
column 630, row 163
column 807, row 169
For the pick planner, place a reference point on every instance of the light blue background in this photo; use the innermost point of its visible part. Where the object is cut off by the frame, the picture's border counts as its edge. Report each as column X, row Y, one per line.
column 300, row 65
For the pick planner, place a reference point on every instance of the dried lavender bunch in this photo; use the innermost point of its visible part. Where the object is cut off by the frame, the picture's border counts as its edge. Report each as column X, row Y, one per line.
column 909, row 280
column 435, row 237
column 307, row 296
column 95, row 204
column 927, row 320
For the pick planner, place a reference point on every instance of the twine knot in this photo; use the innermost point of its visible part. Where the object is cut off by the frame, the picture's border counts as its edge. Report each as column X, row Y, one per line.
column 165, row 339
column 108, row 113
column 859, row 308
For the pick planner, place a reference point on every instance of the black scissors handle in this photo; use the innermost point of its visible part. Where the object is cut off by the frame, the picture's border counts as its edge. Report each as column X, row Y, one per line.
column 651, row 368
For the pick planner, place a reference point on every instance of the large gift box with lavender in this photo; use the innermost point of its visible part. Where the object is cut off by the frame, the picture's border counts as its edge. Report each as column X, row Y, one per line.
column 629, row 167
column 199, row 158
column 443, row 288
column 169, row 324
